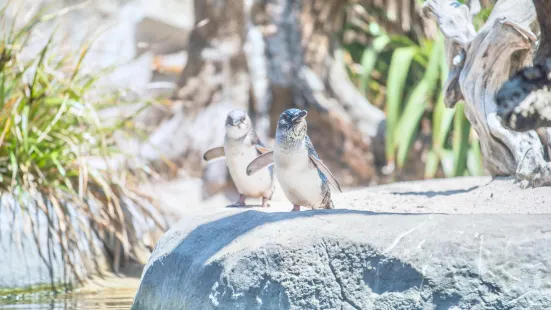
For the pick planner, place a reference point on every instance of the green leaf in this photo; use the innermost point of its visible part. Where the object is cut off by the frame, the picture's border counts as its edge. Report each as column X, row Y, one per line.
column 14, row 166
column 446, row 157
column 398, row 72
column 369, row 58
column 431, row 166
column 59, row 166
column 25, row 127
column 2, row 89
column 474, row 159
column 441, row 123
column 40, row 62
column 415, row 107
column 409, row 123
column 461, row 129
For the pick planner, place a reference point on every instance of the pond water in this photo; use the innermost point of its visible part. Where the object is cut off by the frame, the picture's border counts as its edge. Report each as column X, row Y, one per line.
column 109, row 292
column 116, row 298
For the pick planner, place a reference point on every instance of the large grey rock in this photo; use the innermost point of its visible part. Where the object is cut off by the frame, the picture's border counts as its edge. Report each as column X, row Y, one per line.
column 227, row 258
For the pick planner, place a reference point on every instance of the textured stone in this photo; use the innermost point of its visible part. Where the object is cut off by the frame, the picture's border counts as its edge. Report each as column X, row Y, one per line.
column 227, row 258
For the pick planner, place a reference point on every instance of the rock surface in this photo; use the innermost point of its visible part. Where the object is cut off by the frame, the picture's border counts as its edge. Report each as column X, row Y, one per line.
column 361, row 256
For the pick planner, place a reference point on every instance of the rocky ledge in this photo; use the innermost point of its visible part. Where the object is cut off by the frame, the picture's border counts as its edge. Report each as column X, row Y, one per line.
column 360, row 256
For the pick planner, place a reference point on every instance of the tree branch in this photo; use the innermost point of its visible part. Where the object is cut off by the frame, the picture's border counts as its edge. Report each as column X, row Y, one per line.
column 480, row 62
column 524, row 101
column 543, row 10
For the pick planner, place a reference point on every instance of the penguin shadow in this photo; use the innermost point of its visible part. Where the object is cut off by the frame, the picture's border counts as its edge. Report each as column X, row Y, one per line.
column 430, row 194
column 245, row 206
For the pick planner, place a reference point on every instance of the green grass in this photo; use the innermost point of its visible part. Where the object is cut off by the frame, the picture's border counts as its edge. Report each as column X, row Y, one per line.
column 49, row 126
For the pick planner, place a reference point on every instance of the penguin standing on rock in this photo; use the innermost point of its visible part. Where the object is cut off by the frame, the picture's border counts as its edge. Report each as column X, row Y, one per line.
column 241, row 146
column 302, row 175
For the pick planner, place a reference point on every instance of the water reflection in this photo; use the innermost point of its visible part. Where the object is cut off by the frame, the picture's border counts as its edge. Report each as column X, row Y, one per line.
column 118, row 299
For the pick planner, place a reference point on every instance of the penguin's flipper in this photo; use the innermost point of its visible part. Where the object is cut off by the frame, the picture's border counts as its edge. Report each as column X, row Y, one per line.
column 261, row 149
column 214, row 153
column 261, row 162
column 321, row 166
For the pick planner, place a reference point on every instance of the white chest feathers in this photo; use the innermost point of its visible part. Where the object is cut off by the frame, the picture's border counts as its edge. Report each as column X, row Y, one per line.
column 298, row 177
column 238, row 157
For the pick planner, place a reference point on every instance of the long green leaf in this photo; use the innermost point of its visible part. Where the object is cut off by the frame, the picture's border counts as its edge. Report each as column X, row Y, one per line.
column 409, row 123
column 474, row 159
column 369, row 58
column 14, row 167
column 446, row 158
column 431, row 166
column 398, row 72
column 442, row 121
column 415, row 107
column 443, row 117
column 25, row 127
column 2, row 89
column 461, row 129
column 443, row 125
column 39, row 64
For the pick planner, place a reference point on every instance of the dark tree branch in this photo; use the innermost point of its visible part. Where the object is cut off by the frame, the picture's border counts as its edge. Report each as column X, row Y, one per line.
column 543, row 10
column 524, row 101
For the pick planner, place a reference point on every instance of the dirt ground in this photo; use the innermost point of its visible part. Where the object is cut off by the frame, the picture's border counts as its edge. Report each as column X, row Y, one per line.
column 466, row 195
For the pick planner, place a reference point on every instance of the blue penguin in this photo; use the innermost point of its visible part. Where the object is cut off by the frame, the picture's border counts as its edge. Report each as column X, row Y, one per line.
column 302, row 175
column 241, row 146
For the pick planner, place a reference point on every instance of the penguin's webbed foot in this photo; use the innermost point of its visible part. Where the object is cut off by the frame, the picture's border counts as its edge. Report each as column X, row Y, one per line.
column 295, row 208
column 265, row 202
column 240, row 203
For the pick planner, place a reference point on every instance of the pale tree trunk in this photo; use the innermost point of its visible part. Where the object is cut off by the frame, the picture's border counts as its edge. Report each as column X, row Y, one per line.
column 480, row 62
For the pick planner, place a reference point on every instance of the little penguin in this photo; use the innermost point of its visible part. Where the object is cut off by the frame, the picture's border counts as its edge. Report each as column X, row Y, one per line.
column 302, row 175
column 241, row 146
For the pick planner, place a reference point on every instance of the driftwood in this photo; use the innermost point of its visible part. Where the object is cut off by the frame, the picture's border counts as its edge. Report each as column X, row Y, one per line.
column 524, row 101
column 480, row 62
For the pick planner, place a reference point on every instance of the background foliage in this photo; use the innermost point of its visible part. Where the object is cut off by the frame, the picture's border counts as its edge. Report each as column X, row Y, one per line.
column 404, row 76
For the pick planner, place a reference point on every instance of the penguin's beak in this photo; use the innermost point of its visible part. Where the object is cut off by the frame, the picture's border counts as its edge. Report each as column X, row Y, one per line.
column 237, row 122
column 301, row 115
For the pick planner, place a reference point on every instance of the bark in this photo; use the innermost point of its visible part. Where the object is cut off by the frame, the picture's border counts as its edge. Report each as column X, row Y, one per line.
column 524, row 101
column 480, row 62
column 399, row 17
column 543, row 11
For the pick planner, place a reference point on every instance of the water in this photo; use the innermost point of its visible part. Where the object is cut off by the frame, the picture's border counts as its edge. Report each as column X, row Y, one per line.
column 109, row 292
column 112, row 299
